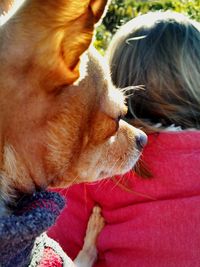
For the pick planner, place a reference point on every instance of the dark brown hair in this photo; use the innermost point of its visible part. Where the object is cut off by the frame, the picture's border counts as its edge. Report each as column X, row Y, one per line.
column 160, row 51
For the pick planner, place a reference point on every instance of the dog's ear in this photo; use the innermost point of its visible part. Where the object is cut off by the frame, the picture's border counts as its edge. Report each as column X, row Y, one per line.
column 5, row 6
column 81, row 33
column 50, row 36
column 98, row 7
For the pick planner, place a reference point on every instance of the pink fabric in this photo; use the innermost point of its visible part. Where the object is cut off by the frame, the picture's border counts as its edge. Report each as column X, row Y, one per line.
column 50, row 259
column 157, row 224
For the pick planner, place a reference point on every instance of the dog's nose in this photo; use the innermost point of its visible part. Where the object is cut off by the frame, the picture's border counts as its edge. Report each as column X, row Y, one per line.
column 141, row 140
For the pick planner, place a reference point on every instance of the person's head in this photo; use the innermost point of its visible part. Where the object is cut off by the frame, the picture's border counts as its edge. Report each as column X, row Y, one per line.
column 161, row 51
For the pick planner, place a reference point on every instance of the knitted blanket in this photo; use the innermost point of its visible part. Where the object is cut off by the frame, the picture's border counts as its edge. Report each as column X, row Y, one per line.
column 34, row 215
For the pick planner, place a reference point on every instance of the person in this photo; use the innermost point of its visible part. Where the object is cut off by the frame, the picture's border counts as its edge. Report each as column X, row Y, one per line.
column 149, row 222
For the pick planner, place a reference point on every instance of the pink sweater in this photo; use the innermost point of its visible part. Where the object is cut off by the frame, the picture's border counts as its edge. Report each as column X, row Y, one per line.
column 157, row 224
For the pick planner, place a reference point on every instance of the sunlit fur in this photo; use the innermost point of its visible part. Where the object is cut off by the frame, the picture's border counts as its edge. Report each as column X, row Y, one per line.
column 161, row 51
column 55, row 129
column 85, row 140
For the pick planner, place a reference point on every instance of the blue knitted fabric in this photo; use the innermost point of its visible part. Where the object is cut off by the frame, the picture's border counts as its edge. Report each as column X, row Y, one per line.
column 34, row 215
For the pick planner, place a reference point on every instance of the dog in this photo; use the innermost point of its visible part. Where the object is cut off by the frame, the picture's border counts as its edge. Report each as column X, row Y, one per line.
column 60, row 115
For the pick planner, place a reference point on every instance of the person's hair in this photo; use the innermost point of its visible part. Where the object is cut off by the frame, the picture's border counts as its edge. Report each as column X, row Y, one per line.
column 161, row 52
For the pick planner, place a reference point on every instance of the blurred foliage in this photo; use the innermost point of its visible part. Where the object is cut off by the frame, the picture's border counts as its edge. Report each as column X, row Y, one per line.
column 121, row 11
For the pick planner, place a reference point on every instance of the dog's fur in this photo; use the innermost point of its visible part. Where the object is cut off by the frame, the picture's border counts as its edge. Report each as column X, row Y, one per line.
column 55, row 130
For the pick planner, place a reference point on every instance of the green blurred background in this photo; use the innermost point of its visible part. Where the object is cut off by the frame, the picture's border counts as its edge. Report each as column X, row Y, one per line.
column 120, row 11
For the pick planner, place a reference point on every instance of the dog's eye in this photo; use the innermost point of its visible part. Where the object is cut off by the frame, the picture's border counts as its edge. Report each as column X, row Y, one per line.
column 122, row 113
column 119, row 118
column 117, row 121
column 103, row 127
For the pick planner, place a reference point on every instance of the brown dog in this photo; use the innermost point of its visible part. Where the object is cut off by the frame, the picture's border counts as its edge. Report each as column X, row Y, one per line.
column 55, row 130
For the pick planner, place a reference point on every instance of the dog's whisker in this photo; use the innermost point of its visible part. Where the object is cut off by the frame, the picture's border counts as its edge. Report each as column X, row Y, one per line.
column 132, row 89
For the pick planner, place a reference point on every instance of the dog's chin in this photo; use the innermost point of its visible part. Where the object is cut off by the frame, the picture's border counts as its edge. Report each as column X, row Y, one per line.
column 110, row 172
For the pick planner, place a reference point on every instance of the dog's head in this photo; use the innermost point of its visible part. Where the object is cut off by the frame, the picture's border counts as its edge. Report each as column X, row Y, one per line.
column 57, row 130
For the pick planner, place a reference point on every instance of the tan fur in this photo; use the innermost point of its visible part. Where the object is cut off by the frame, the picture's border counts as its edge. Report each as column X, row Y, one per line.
column 54, row 131
column 5, row 5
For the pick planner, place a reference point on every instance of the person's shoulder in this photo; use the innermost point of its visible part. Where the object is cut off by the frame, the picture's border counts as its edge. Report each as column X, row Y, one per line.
column 172, row 138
